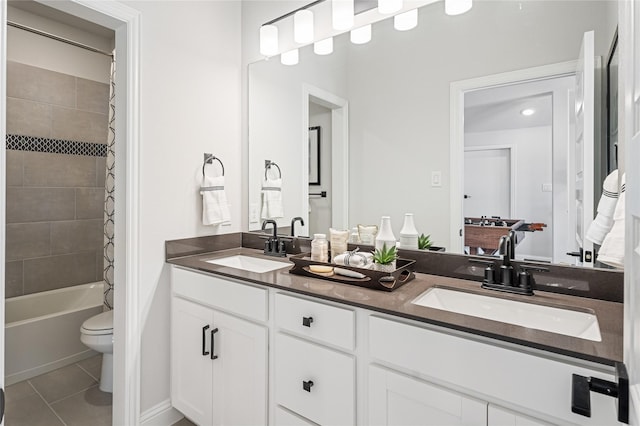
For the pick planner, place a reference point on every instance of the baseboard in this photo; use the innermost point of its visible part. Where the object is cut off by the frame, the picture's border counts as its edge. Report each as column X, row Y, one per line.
column 162, row 414
column 42, row 369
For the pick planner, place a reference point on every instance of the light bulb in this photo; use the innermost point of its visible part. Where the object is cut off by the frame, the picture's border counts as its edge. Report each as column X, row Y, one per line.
column 342, row 14
column 303, row 26
column 456, row 7
column 389, row 6
column 323, row 47
column 269, row 40
column 528, row 111
column 406, row 21
column 290, row 57
column 361, row 35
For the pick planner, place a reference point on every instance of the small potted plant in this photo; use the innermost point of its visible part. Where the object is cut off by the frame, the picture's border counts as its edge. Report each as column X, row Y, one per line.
column 384, row 259
column 424, row 242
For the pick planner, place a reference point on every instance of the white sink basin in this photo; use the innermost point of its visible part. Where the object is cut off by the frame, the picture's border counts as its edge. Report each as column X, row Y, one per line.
column 248, row 263
column 556, row 320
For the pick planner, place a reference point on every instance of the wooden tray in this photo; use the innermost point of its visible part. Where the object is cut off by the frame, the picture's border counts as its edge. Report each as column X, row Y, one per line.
column 374, row 279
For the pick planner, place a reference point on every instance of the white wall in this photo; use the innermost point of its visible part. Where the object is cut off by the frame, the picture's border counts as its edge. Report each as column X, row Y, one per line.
column 398, row 91
column 190, row 104
column 533, row 148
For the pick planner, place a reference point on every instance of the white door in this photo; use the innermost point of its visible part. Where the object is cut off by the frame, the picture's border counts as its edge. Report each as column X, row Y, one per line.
column 191, row 364
column 629, row 107
column 582, row 152
column 239, row 372
column 397, row 400
column 487, row 182
column 3, row 186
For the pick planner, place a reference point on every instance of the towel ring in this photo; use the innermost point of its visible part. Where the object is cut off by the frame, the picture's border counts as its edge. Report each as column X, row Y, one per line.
column 208, row 159
column 267, row 166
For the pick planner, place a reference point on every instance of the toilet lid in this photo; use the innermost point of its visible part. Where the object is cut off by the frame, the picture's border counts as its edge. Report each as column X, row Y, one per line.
column 99, row 324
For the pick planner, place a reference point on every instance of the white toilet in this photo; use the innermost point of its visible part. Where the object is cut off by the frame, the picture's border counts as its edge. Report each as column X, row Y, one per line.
column 97, row 334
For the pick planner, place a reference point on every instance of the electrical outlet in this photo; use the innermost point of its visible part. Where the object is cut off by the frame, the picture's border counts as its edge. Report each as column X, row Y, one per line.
column 254, row 213
column 436, row 179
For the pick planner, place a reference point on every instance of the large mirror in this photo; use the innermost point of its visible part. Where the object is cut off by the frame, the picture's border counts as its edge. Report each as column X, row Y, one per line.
column 383, row 110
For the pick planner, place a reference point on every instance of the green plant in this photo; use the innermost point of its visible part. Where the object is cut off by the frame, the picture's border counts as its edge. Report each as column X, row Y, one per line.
column 385, row 256
column 424, row 242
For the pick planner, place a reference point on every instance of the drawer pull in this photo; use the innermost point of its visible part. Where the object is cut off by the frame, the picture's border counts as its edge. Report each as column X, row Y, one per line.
column 204, row 340
column 214, row 331
column 307, row 385
column 306, row 321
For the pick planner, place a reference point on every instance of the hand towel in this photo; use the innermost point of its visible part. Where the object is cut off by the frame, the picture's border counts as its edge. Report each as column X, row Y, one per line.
column 603, row 222
column 272, row 199
column 215, row 208
column 612, row 250
column 353, row 258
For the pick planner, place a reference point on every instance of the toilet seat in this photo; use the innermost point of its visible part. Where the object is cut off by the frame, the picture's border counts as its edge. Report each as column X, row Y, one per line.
column 100, row 324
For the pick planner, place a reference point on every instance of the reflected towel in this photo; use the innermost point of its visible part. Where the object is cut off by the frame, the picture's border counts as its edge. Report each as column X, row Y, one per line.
column 215, row 208
column 356, row 259
column 612, row 250
column 272, row 199
column 603, row 222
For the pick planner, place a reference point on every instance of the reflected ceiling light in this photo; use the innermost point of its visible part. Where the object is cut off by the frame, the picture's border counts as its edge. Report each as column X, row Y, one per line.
column 406, row 21
column 303, row 26
column 528, row 111
column 323, row 47
column 456, row 7
column 290, row 57
column 389, row 6
column 361, row 35
column 342, row 14
column 269, row 40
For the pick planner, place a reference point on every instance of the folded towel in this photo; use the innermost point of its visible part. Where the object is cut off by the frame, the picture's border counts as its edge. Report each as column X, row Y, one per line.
column 215, row 208
column 612, row 250
column 353, row 258
column 272, row 199
column 603, row 222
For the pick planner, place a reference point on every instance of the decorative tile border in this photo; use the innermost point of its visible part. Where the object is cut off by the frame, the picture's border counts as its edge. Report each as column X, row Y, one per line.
column 55, row 146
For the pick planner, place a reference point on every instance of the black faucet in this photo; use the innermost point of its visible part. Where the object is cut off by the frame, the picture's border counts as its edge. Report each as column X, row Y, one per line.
column 273, row 246
column 293, row 224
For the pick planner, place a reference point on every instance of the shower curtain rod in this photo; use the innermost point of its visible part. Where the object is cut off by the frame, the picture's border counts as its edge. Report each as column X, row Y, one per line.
column 58, row 38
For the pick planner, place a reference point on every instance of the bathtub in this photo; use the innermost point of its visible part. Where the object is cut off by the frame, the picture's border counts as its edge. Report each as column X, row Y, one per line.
column 42, row 330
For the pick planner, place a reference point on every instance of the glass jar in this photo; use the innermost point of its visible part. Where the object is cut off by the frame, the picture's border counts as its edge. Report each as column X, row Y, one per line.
column 320, row 248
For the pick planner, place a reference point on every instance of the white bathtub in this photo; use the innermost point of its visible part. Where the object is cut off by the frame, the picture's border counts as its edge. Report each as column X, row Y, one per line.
column 42, row 330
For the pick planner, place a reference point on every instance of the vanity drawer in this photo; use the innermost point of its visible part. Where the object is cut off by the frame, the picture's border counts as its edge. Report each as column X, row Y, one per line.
column 318, row 321
column 284, row 417
column 314, row 382
column 225, row 294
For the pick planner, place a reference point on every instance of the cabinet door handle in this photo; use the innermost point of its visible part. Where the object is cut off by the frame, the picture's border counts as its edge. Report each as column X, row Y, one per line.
column 307, row 385
column 204, row 340
column 306, row 321
column 214, row 331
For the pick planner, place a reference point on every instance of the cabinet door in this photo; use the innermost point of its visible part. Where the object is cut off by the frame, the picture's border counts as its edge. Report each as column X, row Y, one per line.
column 191, row 366
column 396, row 399
column 501, row 417
column 240, row 372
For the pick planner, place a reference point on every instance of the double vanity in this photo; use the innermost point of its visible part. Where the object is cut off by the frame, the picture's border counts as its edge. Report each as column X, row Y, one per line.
column 255, row 344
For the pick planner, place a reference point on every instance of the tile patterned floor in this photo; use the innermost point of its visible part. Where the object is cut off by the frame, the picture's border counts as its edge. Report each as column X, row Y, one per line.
column 68, row 396
column 184, row 422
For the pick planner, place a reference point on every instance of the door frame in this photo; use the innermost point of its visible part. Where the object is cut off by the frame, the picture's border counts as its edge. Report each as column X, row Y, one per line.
column 125, row 21
column 512, row 171
column 339, row 151
column 457, row 89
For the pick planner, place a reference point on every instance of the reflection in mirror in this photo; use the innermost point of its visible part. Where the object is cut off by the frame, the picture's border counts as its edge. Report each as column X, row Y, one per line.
column 388, row 109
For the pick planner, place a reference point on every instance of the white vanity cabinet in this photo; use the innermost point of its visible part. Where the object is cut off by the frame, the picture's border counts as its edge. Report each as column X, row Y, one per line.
column 312, row 378
column 497, row 416
column 218, row 358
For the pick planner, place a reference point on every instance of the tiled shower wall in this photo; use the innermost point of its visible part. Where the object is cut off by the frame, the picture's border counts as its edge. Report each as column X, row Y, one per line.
column 55, row 197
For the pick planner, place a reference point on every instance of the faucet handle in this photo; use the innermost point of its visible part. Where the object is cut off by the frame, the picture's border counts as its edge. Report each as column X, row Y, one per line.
column 524, row 277
column 489, row 272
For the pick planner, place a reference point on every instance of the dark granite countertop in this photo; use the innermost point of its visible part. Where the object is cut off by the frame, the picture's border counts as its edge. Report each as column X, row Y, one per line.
column 398, row 303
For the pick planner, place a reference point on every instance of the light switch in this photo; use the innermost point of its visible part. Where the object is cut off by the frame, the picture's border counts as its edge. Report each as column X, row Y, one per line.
column 547, row 187
column 254, row 213
column 436, row 178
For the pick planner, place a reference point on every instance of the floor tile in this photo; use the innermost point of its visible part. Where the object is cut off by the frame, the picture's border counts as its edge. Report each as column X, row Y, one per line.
column 18, row 391
column 62, row 383
column 90, row 407
column 30, row 410
column 184, row 422
column 92, row 365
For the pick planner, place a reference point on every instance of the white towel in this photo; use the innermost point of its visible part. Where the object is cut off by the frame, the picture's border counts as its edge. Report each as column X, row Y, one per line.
column 603, row 222
column 612, row 250
column 272, row 199
column 356, row 259
column 215, row 208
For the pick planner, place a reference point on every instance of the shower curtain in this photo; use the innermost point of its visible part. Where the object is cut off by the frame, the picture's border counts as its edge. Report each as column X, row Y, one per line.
column 109, row 200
